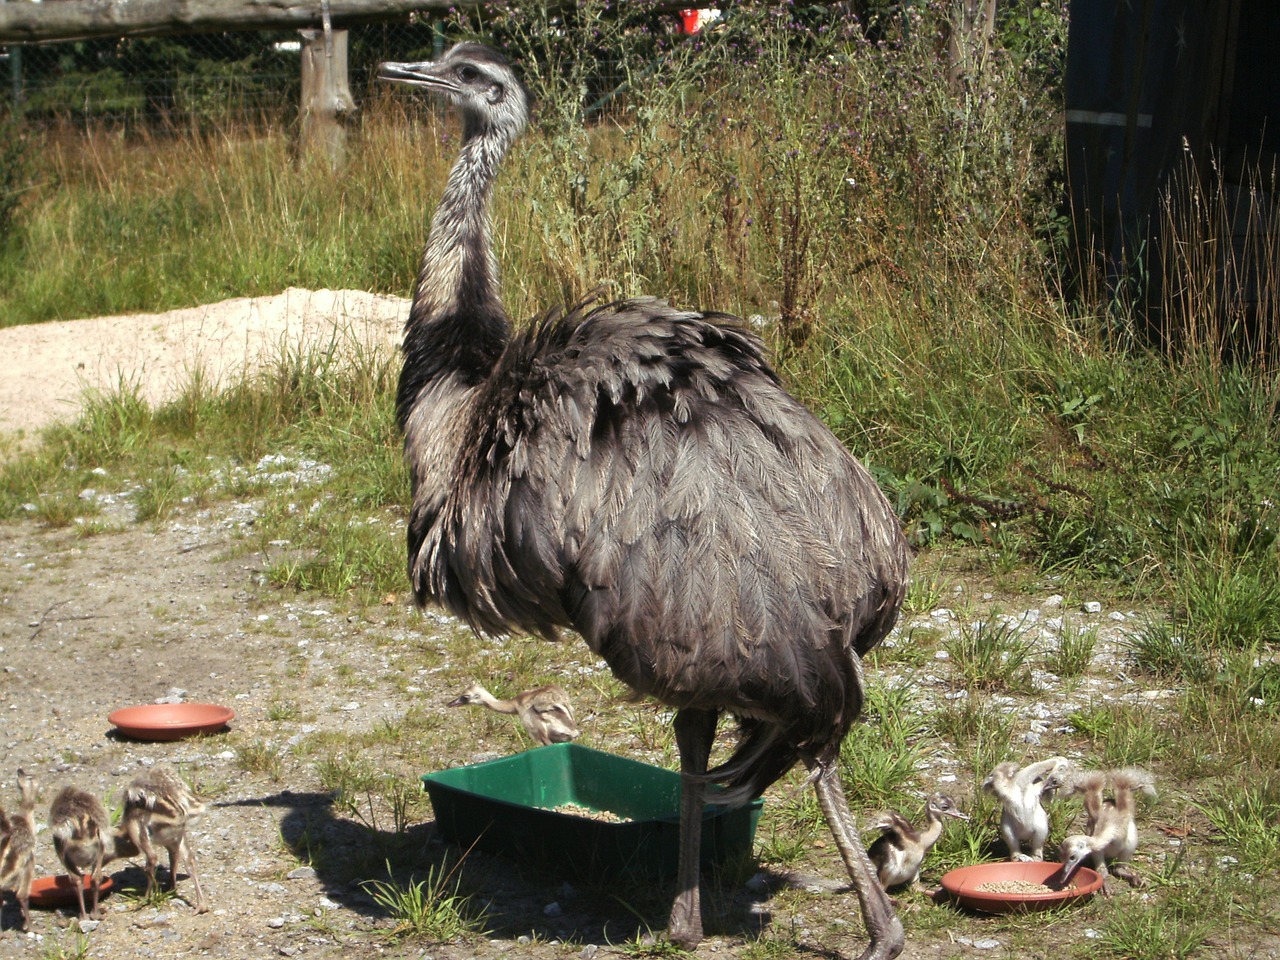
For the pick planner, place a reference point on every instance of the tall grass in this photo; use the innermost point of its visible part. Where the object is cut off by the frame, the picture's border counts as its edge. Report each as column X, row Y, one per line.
column 893, row 238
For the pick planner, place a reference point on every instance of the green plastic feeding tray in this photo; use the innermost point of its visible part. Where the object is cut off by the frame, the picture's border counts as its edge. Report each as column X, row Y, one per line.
column 591, row 813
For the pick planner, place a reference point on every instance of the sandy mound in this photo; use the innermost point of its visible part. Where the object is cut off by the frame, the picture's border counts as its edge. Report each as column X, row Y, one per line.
column 45, row 368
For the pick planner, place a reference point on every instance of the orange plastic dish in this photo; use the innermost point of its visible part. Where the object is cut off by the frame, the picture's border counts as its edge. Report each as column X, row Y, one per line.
column 170, row 721
column 60, row 891
column 963, row 885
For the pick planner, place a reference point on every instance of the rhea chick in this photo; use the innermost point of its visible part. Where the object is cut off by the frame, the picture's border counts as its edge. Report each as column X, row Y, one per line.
column 544, row 712
column 159, row 811
column 900, row 849
column 1111, row 830
column 1023, row 821
column 84, row 841
column 18, row 847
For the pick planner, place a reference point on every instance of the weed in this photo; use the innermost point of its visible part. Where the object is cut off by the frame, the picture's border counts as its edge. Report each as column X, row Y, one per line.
column 69, row 945
column 979, row 730
column 283, row 710
column 1074, row 650
column 991, row 654
column 429, row 909
column 1247, row 814
column 651, row 945
column 1150, row 933
column 1161, row 650
column 924, row 593
column 260, row 758
column 880, row 755
column 156, row 896
column 1121, row 734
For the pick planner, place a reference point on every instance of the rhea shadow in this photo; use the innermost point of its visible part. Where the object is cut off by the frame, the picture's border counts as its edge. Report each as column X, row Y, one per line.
column 512, row 897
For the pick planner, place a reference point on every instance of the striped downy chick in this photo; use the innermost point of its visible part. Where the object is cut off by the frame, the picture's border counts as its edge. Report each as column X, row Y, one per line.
column 1023, row 821
column 84, row 841
column 900, row 849
column 159, row 811
column 18, row 847
column 1111, row 831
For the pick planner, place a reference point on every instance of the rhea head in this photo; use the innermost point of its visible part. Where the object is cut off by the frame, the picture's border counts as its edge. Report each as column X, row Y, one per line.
column 476, row 79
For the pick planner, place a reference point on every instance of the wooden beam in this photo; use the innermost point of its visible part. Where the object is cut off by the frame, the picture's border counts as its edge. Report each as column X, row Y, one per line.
column 24, row 22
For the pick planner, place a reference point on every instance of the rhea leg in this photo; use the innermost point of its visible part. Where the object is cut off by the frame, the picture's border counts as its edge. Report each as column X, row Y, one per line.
column 140, row 836
column 96, row 883
column 695, row 731
column 77, row 880
column 178, row 854
column 883, row 925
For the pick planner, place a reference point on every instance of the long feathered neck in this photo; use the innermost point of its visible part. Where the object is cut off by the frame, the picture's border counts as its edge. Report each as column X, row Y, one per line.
column 493, row 703
column 457, row 326
column 932, row 828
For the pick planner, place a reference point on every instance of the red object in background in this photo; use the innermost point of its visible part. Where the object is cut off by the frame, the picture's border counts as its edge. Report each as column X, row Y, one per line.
column 689, row 21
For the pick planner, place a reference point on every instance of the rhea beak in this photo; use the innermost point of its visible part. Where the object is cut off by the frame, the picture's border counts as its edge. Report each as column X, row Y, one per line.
column 957, row 814
column 458, row 702
column 421, row 74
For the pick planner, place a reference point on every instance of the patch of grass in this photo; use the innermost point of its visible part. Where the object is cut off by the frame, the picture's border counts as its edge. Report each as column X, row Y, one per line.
column 66, row 945
column 1121, row 734
column 977, row 728
column 924, row 593
column 1071, row 657
column 1151, row 932
column 1229, row 599
column 790, row 845
column 1247, row 815
column 991, row 654
column 283, row 710
column 1161, row 650
column 431, row 909
column 156, row 897
column 260, row 758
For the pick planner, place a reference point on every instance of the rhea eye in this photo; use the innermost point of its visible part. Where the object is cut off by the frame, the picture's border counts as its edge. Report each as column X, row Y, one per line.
column 467, row 73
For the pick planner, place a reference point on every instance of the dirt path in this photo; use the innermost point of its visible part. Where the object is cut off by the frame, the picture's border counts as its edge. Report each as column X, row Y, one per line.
column 46, row 367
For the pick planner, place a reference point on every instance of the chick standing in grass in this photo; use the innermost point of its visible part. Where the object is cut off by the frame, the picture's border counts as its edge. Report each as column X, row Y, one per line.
column 900, row 849
column 1023, row 821
column 159, row 811
column 544, row 712
column 1111, row 831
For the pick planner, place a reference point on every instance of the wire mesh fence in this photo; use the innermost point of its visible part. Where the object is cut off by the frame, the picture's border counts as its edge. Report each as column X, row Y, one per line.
column 215, row 79
column 190, row 81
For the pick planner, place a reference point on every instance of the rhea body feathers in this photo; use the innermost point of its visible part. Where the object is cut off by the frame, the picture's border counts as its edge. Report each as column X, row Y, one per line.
column 637, row 473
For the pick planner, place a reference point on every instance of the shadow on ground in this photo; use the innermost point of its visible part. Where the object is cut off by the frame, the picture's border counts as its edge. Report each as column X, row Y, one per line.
column 517, row 899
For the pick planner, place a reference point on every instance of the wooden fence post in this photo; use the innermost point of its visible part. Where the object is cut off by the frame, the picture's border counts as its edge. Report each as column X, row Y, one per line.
column 327, row 105
column 973, row 29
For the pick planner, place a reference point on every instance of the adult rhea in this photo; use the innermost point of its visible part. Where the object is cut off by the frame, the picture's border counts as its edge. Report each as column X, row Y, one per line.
column 638, row 473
